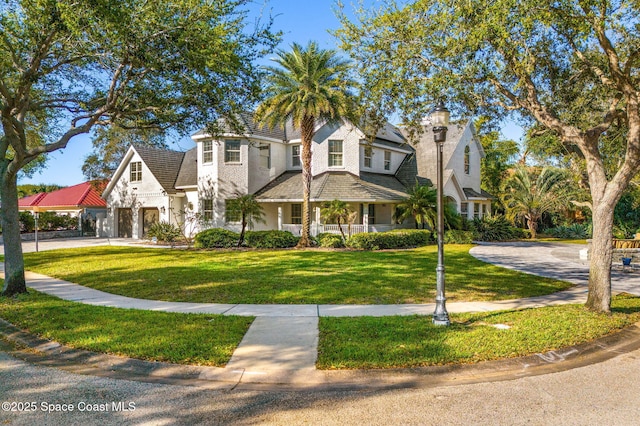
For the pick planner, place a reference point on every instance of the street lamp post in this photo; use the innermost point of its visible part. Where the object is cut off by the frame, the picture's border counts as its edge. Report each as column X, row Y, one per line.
column 36, row 214
column 440, row 121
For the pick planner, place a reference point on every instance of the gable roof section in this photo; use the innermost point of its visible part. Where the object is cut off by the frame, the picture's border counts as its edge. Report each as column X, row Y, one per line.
column 188, row 173
column 76, row 196
column 329, row 186
column 163, row 164
column 388, row 134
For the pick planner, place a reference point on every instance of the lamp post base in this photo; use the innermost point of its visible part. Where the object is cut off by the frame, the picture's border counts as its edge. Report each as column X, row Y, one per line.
column 441, row 320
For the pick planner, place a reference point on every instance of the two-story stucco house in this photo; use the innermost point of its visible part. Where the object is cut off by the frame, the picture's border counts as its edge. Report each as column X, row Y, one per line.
column 153, row 185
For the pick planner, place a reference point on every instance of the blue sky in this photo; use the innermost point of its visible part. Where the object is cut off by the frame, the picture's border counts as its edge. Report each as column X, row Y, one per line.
column 299, row 20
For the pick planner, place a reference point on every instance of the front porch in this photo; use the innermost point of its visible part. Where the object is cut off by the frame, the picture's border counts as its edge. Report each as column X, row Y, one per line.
column 370, row 218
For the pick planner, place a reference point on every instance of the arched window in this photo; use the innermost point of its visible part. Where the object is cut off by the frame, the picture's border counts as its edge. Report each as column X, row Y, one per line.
column 467, row 165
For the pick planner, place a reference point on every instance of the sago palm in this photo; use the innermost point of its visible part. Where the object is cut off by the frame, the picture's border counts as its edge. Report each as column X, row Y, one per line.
column 310, row 86
column 530, row 196
column 339, row 212
column 421, row 205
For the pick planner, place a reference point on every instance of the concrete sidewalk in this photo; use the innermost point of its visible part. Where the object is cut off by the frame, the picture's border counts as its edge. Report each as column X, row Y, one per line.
column 281, row 344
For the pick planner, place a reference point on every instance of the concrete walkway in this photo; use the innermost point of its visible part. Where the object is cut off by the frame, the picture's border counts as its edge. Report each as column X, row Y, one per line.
column 281, row 344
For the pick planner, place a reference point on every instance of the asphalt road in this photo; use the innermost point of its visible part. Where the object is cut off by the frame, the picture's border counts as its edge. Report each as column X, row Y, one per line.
column 604, row 393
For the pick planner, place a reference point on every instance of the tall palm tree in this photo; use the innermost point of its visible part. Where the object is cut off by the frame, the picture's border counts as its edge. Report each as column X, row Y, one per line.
column 248, row 210
column 528, row 196
column 339, row 212
column 310, row 86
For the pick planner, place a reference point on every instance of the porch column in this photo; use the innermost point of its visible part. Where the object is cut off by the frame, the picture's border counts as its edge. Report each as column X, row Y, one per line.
column 470, row 211
column 365, row 216
column 317, row 227
column 280, row 218
column 393, row 210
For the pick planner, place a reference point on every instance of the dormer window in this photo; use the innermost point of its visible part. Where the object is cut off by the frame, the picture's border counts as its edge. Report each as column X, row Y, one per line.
column 207, row 152
column 135, row 171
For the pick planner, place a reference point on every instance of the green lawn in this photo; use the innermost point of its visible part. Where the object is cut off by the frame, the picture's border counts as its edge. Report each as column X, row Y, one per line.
column 157, row 336
column 363, row 342
column 393, row 342
column 287, row 276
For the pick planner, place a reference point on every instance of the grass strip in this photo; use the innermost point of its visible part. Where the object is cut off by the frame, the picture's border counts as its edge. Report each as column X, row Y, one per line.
column 388, row 342
column 197, row 339
column 287, row 276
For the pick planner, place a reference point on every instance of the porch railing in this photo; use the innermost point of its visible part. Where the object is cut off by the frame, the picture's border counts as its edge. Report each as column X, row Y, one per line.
column 335, row 229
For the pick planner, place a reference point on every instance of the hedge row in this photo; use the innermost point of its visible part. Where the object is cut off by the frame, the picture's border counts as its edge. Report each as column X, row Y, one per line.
column 223, row 238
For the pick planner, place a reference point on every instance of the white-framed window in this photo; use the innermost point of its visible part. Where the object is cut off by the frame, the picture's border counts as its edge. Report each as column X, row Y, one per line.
column 477, row 212
column 295, row 156
column 231, row 151
column 464, row 209
column 135, row 171
column 296, row 214
column 207, row 209
column 231, row 214
column 467, row 162
column 387, row 160
column 368, row 153
column 207, row 152
column 335, row 153
column 265, row 155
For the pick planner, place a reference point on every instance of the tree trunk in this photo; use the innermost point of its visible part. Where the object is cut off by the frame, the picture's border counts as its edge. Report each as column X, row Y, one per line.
column 242, row 232
column 14, row 282
column 599, row 299
column 307, row 128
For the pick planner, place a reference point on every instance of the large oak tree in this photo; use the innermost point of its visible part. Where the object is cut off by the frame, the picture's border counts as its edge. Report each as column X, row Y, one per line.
column 570, row 66
column 69, row 66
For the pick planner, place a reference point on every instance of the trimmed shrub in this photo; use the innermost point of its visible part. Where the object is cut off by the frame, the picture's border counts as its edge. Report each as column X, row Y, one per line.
column 330, row 240
column 164, row 231
column 496, row 228
column 455, row 236
column 270, row 239
column 216, row 238
column 390, row 240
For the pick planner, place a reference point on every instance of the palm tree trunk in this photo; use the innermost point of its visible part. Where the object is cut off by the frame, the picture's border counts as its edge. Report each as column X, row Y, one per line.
column 14, row 282
column 307, row 128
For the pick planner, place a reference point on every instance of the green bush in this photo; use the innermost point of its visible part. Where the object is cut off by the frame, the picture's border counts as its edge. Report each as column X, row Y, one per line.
column 575, row 231
column 455, row 236
column 330, row 240
column 390, row 240
column 164, row 231
column 496, row 228
column 216, row 238
column 270, row 239
column 27, row 222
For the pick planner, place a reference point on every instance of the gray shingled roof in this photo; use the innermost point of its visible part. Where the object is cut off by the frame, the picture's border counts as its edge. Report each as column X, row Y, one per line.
column 335, row 185
column 188, row 174
column 407, row 173
column 471, row 193
column 163, row 164
column 387, row 135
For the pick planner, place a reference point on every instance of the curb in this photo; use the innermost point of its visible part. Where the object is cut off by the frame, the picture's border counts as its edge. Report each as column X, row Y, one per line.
column 39, row 351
